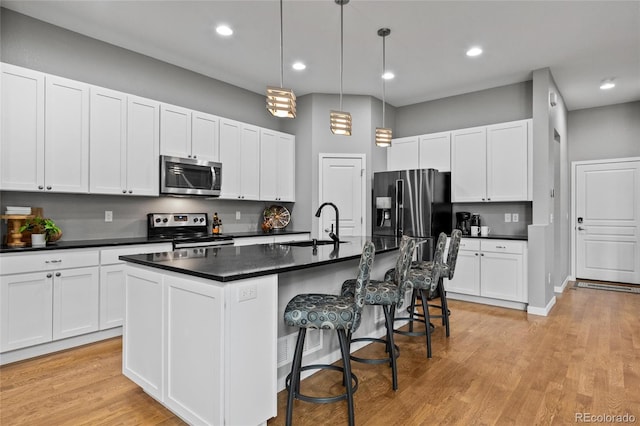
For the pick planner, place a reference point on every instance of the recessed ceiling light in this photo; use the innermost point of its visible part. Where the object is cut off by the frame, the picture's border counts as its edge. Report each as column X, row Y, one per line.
column 388, row 75
column 298, row 66
column 607, row 84
column 474, row 51
column 224, row 30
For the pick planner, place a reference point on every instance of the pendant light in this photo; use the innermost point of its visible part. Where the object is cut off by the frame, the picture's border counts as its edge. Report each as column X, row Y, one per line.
column 281, row 102
column 383, row 134
column 340, row 121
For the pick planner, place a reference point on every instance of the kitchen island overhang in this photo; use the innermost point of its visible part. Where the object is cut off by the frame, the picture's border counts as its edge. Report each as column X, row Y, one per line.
column 203, row 327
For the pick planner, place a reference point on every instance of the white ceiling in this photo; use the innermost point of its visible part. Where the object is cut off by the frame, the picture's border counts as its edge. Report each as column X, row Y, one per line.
column 582, row 42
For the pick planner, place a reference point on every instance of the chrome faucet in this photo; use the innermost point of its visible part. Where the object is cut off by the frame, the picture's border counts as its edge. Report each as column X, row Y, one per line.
column 335, row 237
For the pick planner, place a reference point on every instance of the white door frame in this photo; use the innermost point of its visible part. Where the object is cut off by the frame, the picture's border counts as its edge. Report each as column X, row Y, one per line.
column 574, row 165
column 363, row 183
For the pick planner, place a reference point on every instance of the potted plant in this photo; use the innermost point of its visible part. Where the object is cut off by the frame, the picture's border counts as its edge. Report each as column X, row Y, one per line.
column 40, row 225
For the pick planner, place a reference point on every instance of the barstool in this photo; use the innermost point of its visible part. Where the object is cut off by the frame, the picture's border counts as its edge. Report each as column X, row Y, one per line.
column 389, row 295
column 328, row 312
column 448, row 270
column 425, row 283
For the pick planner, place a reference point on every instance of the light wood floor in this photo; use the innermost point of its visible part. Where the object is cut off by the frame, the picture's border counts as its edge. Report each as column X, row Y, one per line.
column 499, row 366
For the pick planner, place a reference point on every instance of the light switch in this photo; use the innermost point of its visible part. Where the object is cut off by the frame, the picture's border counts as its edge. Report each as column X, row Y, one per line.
column 515, row 217
column 108, row 216
column 507, row 217
column 238, row 215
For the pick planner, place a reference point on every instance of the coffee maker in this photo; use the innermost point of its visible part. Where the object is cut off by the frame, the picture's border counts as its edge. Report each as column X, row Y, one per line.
column 463, row 222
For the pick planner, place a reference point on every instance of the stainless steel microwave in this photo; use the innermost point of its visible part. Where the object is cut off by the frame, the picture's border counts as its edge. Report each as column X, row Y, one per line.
column 188, row 176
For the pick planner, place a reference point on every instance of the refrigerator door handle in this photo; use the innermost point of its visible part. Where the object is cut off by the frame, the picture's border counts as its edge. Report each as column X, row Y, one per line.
column 399, row 207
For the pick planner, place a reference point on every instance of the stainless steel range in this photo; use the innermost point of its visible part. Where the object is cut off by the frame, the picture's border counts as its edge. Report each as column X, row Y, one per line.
column 185, row 230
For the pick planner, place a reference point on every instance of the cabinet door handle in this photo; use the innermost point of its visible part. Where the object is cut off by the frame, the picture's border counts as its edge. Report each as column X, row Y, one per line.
column 49, row 275
column 58, row 274
column 53, row 261
column 501, row 247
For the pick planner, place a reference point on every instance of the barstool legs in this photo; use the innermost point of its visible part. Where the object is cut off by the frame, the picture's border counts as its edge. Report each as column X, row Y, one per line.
column 346, row 362
column 294, row 384
column 388, row 317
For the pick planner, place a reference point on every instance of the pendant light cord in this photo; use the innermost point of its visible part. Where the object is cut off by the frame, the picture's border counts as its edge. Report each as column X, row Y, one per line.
column 281, row 50
column 384, row 69
column 341, row 49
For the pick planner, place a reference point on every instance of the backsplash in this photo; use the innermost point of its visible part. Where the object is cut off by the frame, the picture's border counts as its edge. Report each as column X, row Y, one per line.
column 492, row 215
column 81, row 216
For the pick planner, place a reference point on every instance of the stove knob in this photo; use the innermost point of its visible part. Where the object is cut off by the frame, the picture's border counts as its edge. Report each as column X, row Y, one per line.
column 165, row 220
column 202, row 219
column 195, row 219
column 157, row 220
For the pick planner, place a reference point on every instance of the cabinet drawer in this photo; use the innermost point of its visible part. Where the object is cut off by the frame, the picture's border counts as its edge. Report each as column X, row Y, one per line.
column 110, row 256
column 45, row 261
column 469, row 244
column 503, row 246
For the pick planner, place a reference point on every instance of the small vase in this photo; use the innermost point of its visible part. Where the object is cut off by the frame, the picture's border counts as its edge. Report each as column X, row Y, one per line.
column 37, row 240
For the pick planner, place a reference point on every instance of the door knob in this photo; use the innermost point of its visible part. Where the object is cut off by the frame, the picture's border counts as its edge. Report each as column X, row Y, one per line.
column 580, row 228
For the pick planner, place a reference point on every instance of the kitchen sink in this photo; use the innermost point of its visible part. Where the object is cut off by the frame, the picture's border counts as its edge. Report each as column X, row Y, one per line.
column 309, row 243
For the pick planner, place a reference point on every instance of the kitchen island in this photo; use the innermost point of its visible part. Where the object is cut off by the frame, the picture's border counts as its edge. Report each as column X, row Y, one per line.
column 204, row 333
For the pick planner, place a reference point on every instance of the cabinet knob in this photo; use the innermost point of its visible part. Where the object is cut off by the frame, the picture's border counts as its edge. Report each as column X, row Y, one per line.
column 130, row 191
column 476, row 254
column 58, row 274
column 49, row 275
column 124, row 191
column 483, row 199
column 482, row 254
column 488, row 199
column 40, row 187
column 195, row 156
column 189, row 156
column 49, row 188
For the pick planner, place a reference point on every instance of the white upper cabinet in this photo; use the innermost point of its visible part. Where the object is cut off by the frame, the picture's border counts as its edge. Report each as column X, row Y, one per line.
column 277, row 166
column 188, row 134
column 143, row 146
column 435, row 151
column 240, row 158
column 507, row 161
column 44, row 117
column 403, row 154
column 124, row 143
column 22, row 121
column 468, row 165
column 205, row 136
column 491, row 163
column 66, row 148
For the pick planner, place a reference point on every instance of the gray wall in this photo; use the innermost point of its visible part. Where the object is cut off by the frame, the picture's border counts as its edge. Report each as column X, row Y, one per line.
column 549, row 232
column 605, row 132
column 496, row 105
column 37, row 45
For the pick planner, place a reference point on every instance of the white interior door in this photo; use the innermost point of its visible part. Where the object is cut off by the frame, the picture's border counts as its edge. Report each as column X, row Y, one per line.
column 608, row 221
column 342, row 183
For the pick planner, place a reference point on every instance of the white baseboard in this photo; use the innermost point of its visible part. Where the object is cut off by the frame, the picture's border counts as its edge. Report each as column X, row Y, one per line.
column 58, row 345
column 542, row 311
column 487, row 301
column 560, row 288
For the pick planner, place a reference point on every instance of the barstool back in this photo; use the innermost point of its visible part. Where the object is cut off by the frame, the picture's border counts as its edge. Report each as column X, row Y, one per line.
column 364, row 273
column 454, row 246
column 403, row 264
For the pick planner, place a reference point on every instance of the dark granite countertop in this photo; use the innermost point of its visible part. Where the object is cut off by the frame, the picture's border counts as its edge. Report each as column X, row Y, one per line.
column 106, row 242
column 499, row 237
column 233, row 263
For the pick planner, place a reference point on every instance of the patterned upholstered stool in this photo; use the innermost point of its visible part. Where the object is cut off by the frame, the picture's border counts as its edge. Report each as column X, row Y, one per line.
column 424, row 283
column 328, row 312
column 389, row 295
column 448, row 270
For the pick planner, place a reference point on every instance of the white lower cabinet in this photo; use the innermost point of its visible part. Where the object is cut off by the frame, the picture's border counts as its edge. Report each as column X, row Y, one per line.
column 112, row 280
column 204, row 349
column 495, row 269
column 47, row 296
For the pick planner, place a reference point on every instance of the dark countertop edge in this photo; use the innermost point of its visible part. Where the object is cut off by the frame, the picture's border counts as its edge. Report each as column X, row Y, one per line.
column 241, row 276
column 112, row 242
column 499, row 237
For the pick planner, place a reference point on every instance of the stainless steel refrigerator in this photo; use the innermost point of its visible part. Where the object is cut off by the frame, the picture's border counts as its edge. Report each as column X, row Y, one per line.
column 416, row 203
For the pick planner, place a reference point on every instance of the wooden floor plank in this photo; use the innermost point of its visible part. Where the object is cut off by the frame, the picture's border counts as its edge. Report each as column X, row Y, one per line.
column 499, row 366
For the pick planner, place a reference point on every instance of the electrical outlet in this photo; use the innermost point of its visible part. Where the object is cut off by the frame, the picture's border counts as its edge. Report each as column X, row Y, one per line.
column 247, row 292
column 515, row 217
column 238, row 215
column 108, row 216
column 507, row 217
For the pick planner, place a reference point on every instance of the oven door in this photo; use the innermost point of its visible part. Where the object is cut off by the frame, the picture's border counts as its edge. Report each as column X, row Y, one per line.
column 188, row 176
